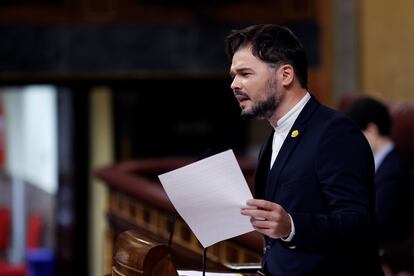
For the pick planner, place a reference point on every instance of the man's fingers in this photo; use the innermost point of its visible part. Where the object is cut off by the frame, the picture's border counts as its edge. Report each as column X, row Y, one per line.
column 261, row 204
column 255, row 213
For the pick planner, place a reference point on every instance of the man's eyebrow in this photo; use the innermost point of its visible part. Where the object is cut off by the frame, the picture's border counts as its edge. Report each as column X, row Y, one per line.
column 238, row 70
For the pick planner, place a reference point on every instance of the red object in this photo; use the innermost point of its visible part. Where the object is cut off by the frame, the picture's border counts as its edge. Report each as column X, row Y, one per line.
column 4, row 229
column 7, row 269
column 34, row 231
column 33, row 240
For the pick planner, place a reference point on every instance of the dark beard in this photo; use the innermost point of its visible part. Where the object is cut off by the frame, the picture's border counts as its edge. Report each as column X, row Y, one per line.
column 262, row 110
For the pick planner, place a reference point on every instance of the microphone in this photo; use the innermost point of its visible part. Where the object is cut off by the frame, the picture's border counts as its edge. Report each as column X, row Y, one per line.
column 172, row 228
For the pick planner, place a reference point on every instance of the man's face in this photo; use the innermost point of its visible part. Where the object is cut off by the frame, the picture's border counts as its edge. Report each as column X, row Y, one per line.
column 254, row 85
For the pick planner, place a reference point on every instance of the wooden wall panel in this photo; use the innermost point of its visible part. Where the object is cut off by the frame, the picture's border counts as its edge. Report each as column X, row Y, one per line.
column 135, row 11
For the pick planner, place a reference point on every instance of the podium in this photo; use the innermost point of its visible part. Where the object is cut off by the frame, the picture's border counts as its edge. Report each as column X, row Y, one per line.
column 137, row 201
column 140, row 255
column 137, row 255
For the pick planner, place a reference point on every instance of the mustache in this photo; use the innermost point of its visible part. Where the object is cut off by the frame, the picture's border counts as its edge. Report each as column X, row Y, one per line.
column 241, row 93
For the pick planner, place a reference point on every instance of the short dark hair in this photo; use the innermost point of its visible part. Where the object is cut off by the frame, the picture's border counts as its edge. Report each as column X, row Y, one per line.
column 273, row 44
column 367, row 110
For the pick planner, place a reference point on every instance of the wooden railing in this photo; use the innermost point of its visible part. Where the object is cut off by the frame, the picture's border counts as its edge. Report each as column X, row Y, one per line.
column 138, row 201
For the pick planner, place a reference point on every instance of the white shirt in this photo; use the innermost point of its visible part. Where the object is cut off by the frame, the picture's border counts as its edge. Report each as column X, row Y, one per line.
column 380, row 155
column 283, row 126
column 282, row 129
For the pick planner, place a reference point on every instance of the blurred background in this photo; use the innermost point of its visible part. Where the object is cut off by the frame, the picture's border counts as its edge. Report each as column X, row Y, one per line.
column 85, row 84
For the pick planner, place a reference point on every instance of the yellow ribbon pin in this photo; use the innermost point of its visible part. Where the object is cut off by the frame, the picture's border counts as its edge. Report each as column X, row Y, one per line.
column 294, row 133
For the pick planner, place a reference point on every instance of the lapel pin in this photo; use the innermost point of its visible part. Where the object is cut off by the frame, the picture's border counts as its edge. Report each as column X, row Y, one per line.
column 294, row 133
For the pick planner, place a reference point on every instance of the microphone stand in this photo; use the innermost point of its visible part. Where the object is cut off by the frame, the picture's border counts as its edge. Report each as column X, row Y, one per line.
column 204, row 263
column 210, row 151
column 172, row 227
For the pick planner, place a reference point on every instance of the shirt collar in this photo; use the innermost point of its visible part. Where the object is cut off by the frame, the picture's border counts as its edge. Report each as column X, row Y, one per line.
column 286, row 122
column 380, row 155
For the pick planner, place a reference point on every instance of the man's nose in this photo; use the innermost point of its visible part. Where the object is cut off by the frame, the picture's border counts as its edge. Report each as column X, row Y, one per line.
column 235, row 84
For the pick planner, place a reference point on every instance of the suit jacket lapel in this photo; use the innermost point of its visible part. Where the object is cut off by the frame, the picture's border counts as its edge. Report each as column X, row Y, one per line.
column 263, row 167
column 295, row 134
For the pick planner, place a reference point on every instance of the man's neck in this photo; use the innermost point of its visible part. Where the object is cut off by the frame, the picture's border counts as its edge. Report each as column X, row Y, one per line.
column 290, row 99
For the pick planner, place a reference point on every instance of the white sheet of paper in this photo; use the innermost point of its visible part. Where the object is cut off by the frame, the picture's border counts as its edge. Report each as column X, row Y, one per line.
column 208, row 194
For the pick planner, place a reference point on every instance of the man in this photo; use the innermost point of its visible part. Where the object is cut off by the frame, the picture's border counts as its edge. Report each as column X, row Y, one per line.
column 314, row 181
column 391, row 206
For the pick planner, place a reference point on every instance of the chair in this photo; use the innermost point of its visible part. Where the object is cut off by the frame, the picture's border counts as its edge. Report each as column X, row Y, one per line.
column 33, row 240
column 403, row 132
column 4, row 230
column 35, row 227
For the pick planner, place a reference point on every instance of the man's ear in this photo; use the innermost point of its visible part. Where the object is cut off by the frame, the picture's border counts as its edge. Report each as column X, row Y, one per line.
column 288, row 74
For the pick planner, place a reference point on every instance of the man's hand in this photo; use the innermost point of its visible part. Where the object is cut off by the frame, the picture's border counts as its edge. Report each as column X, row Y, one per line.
column 269, row 218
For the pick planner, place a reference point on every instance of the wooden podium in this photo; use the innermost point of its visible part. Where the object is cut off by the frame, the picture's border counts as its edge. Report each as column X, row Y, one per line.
column 137, row 201
column 137, row 255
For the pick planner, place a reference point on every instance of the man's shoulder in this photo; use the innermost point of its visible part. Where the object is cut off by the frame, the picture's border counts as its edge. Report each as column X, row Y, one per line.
column 327, row 116
column 391, row 163
column 331, row 125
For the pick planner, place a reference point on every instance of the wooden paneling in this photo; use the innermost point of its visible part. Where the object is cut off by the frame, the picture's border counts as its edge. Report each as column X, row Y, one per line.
column 102, row 39
column 134, row 11
column 386, row 44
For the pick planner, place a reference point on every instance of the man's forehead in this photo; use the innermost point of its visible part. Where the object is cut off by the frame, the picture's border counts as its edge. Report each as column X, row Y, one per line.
column 242, row 55
column 244, row 58
column 245, row 50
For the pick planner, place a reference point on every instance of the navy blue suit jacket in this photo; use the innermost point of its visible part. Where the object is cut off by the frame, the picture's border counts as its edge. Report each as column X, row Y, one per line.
column 392, row 191
column 324, row 178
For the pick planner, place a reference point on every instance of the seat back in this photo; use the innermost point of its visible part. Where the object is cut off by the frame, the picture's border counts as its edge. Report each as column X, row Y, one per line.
column 4, row 229
column 402, row 132
column 34, row 231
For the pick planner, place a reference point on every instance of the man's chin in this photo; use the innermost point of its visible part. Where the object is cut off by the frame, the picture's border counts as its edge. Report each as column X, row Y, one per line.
column 253, row 114
column 248, row 115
